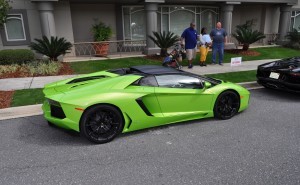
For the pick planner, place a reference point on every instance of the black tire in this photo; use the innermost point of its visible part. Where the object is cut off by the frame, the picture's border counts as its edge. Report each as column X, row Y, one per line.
column 101, row 123
column 226, row 105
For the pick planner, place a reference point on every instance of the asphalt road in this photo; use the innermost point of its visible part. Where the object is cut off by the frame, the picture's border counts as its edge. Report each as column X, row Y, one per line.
column 258, row 146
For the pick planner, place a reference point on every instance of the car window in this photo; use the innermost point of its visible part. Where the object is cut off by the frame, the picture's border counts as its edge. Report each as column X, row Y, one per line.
column 148, row 81
column 179, row 81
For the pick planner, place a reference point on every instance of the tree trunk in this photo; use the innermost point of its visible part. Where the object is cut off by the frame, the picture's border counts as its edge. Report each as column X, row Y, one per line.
column 246, row 46
column 163, row 52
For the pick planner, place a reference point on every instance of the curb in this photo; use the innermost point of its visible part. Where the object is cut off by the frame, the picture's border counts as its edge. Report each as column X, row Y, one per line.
column 33, row 110
column 22, row 111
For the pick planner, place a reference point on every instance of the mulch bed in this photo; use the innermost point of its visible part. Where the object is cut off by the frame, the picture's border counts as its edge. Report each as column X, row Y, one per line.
column 155, row 57
column 5, row 99
column 20, row 73
column 242, row 52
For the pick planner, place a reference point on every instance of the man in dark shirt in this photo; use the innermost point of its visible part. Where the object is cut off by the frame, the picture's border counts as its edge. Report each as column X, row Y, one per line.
column 190, row 38
column 219, row 37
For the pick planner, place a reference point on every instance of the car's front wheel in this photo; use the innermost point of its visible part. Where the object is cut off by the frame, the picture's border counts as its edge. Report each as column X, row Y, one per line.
column 101, row 123
column 226, row 105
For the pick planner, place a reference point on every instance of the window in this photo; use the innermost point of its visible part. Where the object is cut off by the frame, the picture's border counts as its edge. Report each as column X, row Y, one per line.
column 295, row 20
column 15, row 30
column 174, row 18
column 179, row 81
column 148, row 81
column 134, row 23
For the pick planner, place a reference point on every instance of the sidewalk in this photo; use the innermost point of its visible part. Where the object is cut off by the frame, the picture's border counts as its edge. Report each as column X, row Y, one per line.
column 39, row 82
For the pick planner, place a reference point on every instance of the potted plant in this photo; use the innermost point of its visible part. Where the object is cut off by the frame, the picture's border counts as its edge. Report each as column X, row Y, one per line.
column 101, row 33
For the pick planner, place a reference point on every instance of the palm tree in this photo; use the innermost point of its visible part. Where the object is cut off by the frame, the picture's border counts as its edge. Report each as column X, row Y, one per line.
column 51, row 48
column 164, row 41
column 246, row 36
column 293, row 36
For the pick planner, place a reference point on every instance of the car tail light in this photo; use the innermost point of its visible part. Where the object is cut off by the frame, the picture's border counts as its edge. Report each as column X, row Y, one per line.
column 295, row 74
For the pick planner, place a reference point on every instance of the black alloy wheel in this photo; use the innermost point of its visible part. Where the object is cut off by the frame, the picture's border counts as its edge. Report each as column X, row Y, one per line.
column 101, row 123
column 227, row 105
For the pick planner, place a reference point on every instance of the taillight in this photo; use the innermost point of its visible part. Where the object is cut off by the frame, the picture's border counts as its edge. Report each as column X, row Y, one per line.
column 295, row 74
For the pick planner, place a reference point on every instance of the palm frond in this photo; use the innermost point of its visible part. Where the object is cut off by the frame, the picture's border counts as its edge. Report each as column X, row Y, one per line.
column 164, row 40
column 51, row 48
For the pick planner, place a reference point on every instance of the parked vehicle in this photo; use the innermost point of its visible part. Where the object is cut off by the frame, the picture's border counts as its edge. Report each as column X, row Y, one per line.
column 103, row 104
column 281, row 74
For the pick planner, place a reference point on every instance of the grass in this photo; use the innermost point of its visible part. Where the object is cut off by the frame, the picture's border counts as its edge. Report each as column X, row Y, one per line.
column 27, row 97
column 98, row 65
column 236, row 77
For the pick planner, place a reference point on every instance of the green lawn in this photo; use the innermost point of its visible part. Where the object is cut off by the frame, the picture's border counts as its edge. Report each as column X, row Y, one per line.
column 236, row 77
column 27, row 97
column 98, row 65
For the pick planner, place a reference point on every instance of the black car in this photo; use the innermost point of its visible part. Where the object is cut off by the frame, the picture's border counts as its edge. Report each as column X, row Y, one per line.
column 281, row 74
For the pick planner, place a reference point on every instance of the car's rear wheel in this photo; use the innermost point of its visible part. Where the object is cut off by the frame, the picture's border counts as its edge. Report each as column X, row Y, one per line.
column 101, row 123
column 226, row 105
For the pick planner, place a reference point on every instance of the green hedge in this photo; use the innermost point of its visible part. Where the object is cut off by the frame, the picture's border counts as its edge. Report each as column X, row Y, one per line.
column 15, row 56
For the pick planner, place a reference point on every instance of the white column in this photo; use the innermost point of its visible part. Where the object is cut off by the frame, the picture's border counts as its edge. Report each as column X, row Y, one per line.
column 151, row 25
column 47, row 18
column 284, row 21
column 227, row 17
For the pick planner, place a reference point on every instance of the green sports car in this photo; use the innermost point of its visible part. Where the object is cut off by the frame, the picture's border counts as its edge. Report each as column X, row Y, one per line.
column 103, row 104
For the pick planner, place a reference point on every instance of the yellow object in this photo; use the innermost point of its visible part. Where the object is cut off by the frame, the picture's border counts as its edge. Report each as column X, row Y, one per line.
column 203, row 53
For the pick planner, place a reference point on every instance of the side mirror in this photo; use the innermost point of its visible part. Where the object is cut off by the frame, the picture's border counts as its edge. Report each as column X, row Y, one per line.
column 207, row 85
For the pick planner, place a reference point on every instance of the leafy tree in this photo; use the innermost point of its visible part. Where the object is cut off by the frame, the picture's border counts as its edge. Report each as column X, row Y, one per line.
column 164, row 41
column 4, row 8
column 246, row 36
column 51, row 48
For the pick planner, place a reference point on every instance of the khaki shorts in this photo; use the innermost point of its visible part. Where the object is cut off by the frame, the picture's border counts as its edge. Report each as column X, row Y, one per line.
column 191, row 53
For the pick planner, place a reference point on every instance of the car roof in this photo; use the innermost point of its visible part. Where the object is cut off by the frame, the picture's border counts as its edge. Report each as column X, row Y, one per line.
column 155, row 70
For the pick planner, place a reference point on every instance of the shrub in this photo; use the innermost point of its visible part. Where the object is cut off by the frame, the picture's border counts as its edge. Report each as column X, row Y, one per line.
column 43, row 68
column 294, row 39
column 246, row 36
column 3, row 11
column 15, row 56
column 51, row 48
column 9, row 68
column 164, row 41
column 101, row 32
column 35, row 68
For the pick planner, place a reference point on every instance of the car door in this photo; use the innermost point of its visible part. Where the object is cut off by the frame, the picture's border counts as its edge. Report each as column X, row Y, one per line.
column 147, row 100
column 180, row 94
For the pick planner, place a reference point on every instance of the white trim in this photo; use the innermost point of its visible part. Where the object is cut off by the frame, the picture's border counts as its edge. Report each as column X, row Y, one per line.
column 10, row 16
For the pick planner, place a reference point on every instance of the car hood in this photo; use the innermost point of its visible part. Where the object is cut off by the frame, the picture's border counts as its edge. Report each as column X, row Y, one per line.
column 90, row 82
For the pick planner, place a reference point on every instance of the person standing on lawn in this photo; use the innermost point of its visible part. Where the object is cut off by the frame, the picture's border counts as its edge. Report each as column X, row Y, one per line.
column 204, row 44
column 189, row 37
column 219, row 37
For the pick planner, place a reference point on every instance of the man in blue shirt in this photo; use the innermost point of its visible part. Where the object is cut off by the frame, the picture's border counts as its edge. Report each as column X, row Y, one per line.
column 219, row 36
column 190, row 38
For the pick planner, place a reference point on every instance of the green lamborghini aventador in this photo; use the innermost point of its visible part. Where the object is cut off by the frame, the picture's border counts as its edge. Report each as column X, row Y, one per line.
column 103, row 104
